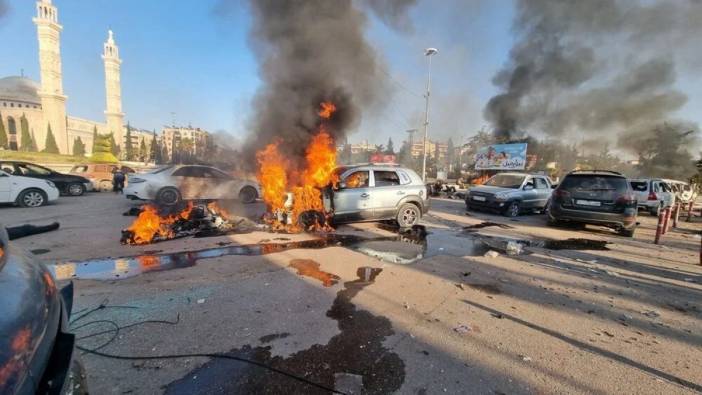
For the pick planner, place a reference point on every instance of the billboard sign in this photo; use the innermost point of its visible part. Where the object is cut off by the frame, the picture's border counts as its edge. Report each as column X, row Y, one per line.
column 501, row 157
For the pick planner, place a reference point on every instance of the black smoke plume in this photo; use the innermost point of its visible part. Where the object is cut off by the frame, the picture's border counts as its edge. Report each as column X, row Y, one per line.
column 594, row 68
column 311, row 51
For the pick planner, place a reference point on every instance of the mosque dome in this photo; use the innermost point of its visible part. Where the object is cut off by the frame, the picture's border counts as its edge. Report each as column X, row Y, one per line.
column 19, row 89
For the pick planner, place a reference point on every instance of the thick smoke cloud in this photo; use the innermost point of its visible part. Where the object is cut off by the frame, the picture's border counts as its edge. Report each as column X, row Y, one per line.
column 312, row 51
column 596, row 67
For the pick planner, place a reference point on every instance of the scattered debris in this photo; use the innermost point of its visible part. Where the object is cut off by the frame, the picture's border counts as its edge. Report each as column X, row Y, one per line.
column 492, row 289
column 16, row 232
column 514, row 248
column 486, row 224
column 497, row 315
column 273, row 336
column 347, row 383
column 462, row 329
column 200, row 301
column 466, row 274
column 460, row 286
column 651, row 313
column 132, row 212
column 525, row 358
column 608, row 333
column 492, row 254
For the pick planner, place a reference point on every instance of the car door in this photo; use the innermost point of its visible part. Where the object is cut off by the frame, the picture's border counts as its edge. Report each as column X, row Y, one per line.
column 528, row 193
column 220, row 185
column 5, row 187
column 543, row 192
column 386, row 191
column 190, row 181
column 352, row 199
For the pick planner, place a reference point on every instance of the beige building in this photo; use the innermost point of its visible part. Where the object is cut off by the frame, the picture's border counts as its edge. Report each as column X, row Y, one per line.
column 433, row 148
column 198, row 137
column 43, row 104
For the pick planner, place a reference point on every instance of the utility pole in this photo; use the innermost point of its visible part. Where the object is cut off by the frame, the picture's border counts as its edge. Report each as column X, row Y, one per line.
column 429, row 52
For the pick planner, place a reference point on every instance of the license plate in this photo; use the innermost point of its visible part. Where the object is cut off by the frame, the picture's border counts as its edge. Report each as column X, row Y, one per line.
column 588, row 203
column 479, row 198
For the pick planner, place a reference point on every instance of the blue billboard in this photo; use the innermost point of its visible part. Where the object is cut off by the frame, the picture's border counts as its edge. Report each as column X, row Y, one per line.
column 501, row 157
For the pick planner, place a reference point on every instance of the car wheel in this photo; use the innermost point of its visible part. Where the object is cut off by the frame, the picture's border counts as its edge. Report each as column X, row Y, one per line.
column 75, row 189
column 408, row 215
column 512, row 210
column 168, row 197
column 105, row 185
column 248, row 194
column 32, row 198
column 627, row 232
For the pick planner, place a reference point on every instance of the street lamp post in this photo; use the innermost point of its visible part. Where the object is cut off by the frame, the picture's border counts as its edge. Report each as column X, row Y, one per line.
column 429, row 52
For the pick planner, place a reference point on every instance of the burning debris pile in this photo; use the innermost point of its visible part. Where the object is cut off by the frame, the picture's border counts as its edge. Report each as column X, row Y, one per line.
column 154, row 224
column 293, row 195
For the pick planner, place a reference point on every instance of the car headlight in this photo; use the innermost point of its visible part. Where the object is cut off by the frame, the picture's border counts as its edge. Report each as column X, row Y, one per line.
column 51, row 184
column 136, row 180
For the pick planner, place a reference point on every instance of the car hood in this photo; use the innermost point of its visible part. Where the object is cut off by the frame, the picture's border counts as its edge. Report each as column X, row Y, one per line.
column 38, row 182
column 490, row 189
column 72, row 178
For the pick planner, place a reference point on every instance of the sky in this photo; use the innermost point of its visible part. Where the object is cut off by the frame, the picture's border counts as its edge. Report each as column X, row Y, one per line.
column 184, row 61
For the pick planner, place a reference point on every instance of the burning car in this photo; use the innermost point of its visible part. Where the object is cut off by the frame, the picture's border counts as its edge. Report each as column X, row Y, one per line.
column 170, row 185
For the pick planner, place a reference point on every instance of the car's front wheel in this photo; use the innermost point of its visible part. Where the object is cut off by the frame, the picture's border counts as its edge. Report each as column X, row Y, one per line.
column 32, row 198
column 512, row 210
column 248, row 194
column 105, row 185
column 168, row 196
column 408, row 215
column 75, row 189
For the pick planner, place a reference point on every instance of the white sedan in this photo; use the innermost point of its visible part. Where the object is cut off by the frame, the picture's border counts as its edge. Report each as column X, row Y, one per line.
column 169, row 185
column 26, row 191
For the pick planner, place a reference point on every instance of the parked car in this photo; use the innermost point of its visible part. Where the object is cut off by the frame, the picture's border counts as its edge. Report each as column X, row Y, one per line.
column 67, row 184
column 684, row 193
column 378, row 192
column 595, row 197
column 100, row 175
column 37, row 354
column 652, row 194
column 169, row 185
column 26, row 191
column 511, row 194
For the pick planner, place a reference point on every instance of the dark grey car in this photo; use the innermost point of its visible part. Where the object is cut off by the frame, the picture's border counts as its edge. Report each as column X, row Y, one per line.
column 510, row 194
column 36, row 351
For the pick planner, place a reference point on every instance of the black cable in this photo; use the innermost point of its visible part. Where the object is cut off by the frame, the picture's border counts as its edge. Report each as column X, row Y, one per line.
column 205, row 355
column 127, row 326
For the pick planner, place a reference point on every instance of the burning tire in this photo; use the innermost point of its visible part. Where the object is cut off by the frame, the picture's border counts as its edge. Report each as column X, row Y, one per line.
column 32, row 198
column 168, row 197
column 408, row 215
column 248, row 194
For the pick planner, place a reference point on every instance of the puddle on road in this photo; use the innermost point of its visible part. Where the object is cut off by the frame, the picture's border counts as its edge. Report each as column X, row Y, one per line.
column 310, row 268
column 486, row 224
column 408, row 246
column 357, row 350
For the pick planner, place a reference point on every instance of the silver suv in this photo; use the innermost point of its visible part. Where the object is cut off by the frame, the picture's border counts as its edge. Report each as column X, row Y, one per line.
column 378, row 192
column 511, row 193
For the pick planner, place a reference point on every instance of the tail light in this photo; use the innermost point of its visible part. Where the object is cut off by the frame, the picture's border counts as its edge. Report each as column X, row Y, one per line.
column 652, row 196
column 627, row 198
column 561, row 193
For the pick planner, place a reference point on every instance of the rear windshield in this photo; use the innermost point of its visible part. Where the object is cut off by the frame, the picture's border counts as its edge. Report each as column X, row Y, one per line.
column 512, row 181
column 594, row 183
column 161, row 170
column 639, row 186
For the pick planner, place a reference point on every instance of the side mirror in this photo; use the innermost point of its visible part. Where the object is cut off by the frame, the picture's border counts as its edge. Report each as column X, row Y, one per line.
column 528, row 187
column 554, row 186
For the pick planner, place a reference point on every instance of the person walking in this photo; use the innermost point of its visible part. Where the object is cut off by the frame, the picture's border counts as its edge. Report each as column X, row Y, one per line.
column 118, row 178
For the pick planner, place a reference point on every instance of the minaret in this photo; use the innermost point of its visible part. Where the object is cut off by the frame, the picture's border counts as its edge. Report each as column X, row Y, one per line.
column 113, row 90
column 53, row 101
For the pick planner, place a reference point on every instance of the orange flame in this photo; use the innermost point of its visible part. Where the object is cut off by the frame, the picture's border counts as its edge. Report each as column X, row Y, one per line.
column 150, row 224
column 480, row 180
column 277, row 177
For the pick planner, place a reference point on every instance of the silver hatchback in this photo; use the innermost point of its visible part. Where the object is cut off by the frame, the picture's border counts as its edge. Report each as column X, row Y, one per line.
column 377, row 192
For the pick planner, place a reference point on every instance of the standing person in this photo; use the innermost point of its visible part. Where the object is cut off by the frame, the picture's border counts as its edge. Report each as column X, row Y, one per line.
column 118, row 178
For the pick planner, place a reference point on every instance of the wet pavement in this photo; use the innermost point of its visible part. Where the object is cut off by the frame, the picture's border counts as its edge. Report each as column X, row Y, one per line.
column 357, row 351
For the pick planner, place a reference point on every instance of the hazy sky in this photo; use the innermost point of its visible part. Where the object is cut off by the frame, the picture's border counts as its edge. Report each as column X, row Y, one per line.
column 183, row 57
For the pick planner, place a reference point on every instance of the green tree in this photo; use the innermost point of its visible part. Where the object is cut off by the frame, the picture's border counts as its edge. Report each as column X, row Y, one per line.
column 155, row 154
column 143, row 152
column 3, row 136
column 103, row 149
column 390, row 148
column 78, row 147
column 95, row 139
column 26, row 143
column 50, row 146
column 33, row 145
column 128, row 148
column 164, row 155
column 114, row 147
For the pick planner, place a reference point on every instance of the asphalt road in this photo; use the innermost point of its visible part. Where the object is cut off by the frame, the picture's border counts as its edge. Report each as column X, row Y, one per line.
column 625, row 319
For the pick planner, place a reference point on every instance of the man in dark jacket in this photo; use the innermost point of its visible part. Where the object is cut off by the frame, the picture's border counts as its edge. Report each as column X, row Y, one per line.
column 118, row 178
